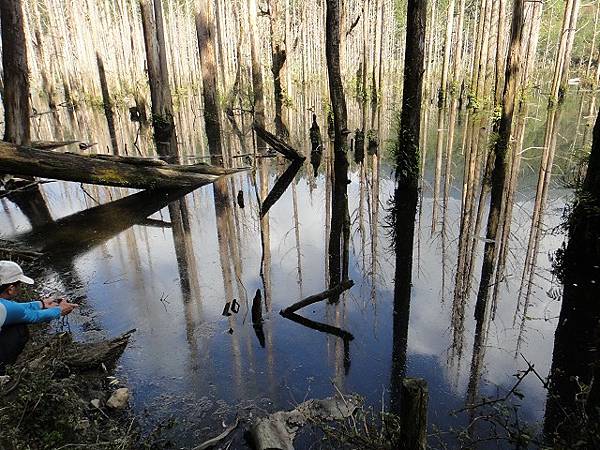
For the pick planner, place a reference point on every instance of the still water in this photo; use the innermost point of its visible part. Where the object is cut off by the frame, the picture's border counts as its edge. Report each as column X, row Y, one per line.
column 167, row 265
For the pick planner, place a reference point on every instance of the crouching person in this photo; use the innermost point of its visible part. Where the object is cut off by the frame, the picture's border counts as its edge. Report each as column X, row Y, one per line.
column 15, row 316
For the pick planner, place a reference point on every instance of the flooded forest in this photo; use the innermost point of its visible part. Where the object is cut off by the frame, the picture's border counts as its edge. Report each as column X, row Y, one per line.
column 353, row 224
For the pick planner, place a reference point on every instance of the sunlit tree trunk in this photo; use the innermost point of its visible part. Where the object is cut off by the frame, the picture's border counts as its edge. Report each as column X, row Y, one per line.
column 340, row 222
column 447, row 47
column 206, row 45
column 256, row 68
column 15, row 73
column 563, row 56
column 501, row 147
column 406, row 185
column 158, row 75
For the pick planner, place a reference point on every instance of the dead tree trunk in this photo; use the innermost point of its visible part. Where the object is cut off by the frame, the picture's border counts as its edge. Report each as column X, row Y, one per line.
column 87, row 169
column 108, row 106
column 279, row 56
column 15, row 73
column 160, row 92
column 407, row 183
column 212, row 118
column 340, row 221
column 501, row 145
column 257, row 81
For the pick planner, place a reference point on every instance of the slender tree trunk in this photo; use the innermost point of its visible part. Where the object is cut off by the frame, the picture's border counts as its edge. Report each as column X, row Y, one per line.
column 501, row 155
column 212, row 118
column 256, row 68
column 160, row 91
column 588, row 72
column 340, row 222
column 15, row 73
column 108, row 106
column 447, row 47
column 561, row 67
column 407, row 184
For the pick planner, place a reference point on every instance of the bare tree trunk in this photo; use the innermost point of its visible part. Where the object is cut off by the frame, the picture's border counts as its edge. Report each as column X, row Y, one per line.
column 407, row 185
column 108, row 107
column 212, row 118
column 340, row 221
column 15, row 73
column 501, row 156
column 160, row 91
column 279, row 57
column 257, row 81
column 561, row 67
column 447, row 47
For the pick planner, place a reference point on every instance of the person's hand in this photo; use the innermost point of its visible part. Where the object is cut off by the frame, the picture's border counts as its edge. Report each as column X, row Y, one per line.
column 50, row 302
column 66, row 307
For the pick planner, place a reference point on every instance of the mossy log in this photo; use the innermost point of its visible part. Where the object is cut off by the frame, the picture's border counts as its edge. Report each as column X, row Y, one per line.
column 17, row 160
column 200, row 168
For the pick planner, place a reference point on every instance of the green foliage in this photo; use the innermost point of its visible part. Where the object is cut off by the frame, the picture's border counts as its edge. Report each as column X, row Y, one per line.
column 474, row 102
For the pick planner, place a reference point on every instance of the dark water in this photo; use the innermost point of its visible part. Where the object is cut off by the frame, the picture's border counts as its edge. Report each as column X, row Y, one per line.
column 171, row 276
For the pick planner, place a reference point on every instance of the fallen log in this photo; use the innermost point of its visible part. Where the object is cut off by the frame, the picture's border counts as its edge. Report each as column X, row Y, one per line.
column 277, row 144
column 333, row 292
column 82, row 169
column 51, row 145
column 200, row 168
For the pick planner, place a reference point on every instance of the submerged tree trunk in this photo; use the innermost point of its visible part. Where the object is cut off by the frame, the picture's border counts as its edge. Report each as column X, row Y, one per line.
column 340, row 221
column 407, row 184
column 15, row 73
column 501, row 157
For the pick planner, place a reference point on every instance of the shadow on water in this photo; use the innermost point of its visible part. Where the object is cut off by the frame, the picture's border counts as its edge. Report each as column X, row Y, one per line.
column 80, row 232
column 572, row 406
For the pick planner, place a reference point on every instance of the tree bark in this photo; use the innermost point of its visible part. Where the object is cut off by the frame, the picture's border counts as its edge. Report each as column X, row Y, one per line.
column 84, row 169
column 212, row 117
column 340, row 220
column 501, row 146
column 15, row 73
column 108, row 106
column 160, row 91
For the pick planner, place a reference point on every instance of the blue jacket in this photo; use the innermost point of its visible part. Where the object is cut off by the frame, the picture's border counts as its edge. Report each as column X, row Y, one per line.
column 12, row 313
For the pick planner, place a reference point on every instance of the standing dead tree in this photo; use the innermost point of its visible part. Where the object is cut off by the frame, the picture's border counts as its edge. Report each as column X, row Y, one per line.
column 406, row 193
column 108, row 106
column 206, row 45
column 340, row 220
column 15, row 73
column 501, row 168
column 158, row 76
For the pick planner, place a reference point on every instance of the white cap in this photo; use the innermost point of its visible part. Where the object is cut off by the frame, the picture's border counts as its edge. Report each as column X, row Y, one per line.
column 11, row 272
